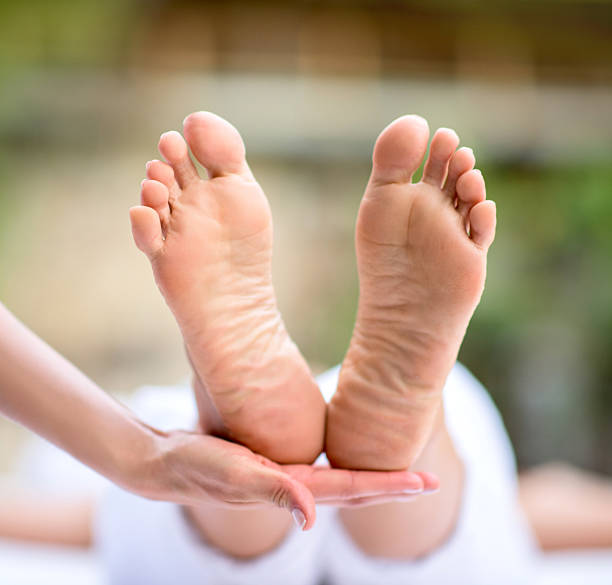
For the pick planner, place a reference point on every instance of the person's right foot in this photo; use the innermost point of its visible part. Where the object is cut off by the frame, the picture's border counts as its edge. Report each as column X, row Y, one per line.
column 421, row 255
column 210, row 246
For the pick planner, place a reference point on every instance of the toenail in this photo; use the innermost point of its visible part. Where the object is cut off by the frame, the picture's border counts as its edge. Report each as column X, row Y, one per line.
column 444, row 129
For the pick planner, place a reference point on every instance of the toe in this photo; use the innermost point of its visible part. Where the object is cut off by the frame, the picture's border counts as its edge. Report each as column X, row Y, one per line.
column 216, row 144
column 155, row 195
column 461, row 162
column 443, row 145
column 174, row 149
column 399, row 150
column 482, row 223
column 470, row 190
column 162, row 172
column 146, row 229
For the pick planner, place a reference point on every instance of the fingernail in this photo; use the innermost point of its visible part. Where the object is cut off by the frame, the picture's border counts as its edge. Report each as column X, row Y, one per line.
column 413, row 491
column 298, row 518
column 431, row 491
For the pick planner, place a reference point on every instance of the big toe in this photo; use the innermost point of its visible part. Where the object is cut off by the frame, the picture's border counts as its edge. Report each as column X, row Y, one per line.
column 399, row 150
column 216, row 144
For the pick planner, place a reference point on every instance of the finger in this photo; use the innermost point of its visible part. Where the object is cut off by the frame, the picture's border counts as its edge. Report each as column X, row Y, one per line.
column 285, row 492
column 431, row 482
column 326, row 483
column 371, row 500
column 431, row 485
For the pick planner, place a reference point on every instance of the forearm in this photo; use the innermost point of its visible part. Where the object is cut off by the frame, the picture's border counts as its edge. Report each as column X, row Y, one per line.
column 46, row 393
column 30, row 515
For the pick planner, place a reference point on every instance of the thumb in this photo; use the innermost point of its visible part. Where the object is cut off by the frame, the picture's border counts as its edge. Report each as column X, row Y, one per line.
column 283, row 491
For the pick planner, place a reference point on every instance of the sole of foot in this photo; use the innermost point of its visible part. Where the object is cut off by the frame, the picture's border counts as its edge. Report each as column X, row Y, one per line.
column 209, row 242
column 421, row 257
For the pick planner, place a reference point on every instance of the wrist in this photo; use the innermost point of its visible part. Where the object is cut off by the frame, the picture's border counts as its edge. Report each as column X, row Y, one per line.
column 140, row 461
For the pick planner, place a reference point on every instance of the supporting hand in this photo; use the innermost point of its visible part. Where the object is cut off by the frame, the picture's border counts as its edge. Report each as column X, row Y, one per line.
column 191, row 469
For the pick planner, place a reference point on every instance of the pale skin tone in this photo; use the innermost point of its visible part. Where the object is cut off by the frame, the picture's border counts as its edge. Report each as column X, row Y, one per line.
column 248, row 534
column 421, row 256
column 47, row 394
column 220, row 231
column 421, row 277
column 210, row 246
column 567, row 507
column 379, row 530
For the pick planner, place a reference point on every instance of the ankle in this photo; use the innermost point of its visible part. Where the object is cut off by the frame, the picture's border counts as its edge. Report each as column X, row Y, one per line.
column 210, row 421
column 403, row 359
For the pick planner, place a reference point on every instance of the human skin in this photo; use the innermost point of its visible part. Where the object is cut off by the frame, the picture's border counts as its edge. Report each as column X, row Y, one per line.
column 209, row 242
column 421, row 258
column 411, row 530
column 567, row 508
column 27, row 515
column 251, row 533
column 46, row 393
column 380, row 526
column 175, row 219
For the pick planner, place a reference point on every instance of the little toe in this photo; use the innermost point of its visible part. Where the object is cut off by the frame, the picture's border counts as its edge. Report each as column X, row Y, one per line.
column 443, row 145
column 483, row 218
column 155, row 195
column 216, row 144
column 146, row 229
column 461, row 162
column 470, row 190
column 399, row 150
column 174, row 149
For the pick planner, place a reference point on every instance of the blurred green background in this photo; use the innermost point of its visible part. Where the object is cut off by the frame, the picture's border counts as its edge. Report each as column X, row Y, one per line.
column 87, row 87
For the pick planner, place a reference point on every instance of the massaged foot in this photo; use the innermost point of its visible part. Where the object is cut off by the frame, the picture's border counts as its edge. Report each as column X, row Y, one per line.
column 210, row 245
column 421, row 255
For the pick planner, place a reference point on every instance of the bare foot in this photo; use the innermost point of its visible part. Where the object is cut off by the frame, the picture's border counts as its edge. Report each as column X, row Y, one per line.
column 210, row 246
column 421, row 255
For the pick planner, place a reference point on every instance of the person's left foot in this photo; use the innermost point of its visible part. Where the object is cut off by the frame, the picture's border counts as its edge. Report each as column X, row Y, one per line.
column 421, row 257
column 210, row 246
